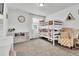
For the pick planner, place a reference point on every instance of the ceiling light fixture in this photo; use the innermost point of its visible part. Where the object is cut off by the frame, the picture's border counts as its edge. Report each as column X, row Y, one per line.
column 41, row 4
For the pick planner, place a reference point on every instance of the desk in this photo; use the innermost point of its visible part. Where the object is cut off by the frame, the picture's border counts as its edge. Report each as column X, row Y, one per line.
column 21, row 37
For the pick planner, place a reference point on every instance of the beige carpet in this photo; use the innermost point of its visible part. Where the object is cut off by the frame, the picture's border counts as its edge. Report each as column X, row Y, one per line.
column 39, row 47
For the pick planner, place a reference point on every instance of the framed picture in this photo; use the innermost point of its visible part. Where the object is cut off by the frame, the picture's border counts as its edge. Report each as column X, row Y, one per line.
column 1, row 8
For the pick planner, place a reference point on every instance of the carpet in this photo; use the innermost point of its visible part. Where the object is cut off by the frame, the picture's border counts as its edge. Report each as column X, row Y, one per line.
column 39, row 47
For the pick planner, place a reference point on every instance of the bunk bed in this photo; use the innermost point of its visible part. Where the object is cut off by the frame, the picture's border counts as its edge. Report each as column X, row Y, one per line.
column 50, row 29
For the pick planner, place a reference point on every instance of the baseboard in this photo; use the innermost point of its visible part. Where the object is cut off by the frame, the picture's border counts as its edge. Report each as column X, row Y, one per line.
column 35, row 38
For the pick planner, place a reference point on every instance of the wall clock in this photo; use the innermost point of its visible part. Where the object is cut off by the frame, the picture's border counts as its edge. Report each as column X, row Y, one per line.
column 21, row 19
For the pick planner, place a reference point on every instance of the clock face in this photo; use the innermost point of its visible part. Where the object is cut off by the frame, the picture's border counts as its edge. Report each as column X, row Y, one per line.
column 21, row 19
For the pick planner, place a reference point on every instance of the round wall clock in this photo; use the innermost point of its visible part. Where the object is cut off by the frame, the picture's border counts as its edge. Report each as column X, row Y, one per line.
column 21, row 19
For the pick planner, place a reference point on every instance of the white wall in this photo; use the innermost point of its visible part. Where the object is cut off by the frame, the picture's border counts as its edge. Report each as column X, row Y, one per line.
column 61, row 15
column 20, row 27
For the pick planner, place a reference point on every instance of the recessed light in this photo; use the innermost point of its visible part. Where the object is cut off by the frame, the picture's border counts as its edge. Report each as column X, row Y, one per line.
column 41, row 4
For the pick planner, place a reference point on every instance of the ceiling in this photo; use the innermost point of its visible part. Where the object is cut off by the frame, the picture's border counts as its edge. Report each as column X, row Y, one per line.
column 34, row 8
